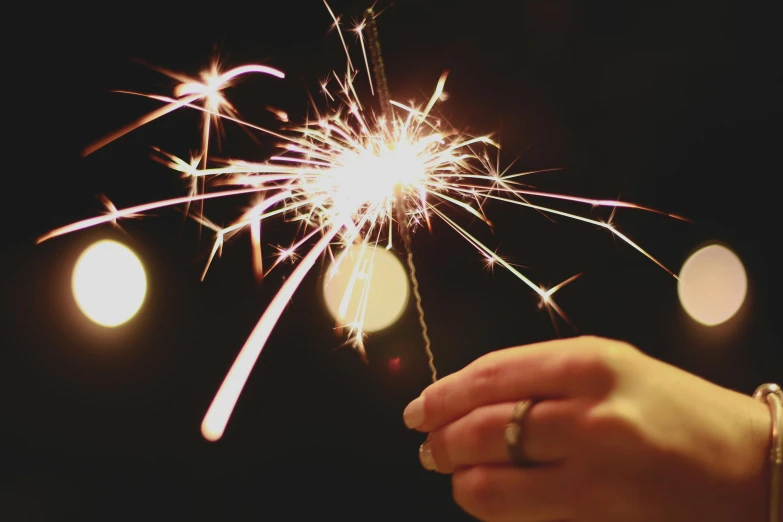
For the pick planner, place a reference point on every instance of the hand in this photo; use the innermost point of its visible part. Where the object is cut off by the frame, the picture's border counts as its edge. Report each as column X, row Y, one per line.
column 615, row 435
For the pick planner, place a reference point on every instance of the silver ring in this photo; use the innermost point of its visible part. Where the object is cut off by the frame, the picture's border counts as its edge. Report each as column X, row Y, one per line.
column 513, row 434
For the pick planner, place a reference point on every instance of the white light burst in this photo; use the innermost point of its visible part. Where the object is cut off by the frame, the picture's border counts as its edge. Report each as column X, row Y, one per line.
column 347, row 176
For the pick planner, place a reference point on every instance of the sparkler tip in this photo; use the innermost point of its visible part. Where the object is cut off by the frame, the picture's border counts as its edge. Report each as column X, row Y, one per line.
column 680, row 218
column 86, row 151
column 210, row 433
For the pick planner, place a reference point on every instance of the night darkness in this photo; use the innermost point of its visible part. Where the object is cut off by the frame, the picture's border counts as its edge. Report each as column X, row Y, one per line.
column 674, row 105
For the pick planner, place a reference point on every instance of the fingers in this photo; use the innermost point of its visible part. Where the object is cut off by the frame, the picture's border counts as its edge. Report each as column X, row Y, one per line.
column 505, row 493
column 555, row 369
column 477, row 438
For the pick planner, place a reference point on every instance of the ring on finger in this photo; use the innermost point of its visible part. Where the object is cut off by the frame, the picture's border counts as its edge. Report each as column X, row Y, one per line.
column 514, row 433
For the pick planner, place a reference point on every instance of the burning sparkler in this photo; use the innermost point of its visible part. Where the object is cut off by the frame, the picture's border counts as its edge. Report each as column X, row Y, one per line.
column 345, row 175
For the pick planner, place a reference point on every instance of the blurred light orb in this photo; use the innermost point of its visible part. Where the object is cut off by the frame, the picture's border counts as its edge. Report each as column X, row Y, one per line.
column 109, row 283
column 395, row 364
column 712, row 285
column 388, row 290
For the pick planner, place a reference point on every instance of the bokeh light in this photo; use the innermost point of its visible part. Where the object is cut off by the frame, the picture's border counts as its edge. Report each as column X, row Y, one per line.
column 395, row 365
column 109, row 283
column 712, row 285
column 387, row 295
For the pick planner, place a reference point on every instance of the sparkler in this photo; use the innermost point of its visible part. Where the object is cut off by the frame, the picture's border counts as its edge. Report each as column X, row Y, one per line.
column 405, row 235
column 344, row 176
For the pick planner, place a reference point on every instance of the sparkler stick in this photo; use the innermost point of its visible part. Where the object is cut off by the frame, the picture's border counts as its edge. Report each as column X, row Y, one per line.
column 384, row 97
column 376, row 58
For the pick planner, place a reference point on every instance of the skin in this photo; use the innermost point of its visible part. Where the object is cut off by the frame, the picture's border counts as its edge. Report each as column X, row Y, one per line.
column 616, row 436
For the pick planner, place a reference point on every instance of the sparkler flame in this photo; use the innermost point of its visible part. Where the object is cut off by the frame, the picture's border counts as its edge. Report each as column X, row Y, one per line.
column 343, row 175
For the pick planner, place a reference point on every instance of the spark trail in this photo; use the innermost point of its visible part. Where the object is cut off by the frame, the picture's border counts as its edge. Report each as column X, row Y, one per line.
column 344, row 176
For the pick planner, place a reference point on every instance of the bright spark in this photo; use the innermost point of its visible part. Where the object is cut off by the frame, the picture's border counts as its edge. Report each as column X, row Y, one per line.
column 341, row 175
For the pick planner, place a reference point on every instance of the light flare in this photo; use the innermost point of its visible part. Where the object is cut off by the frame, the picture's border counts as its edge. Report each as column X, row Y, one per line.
column 345, row 176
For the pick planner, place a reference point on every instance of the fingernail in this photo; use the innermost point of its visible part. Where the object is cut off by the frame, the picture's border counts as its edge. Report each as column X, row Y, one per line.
column 414, row 413
column 425, row 456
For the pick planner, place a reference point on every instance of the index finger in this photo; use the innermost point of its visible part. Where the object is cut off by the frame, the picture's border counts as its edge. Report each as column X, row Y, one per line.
column 553, row 369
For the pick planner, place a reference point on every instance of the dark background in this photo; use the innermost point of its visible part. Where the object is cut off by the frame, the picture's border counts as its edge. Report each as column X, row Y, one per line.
column 672, row 105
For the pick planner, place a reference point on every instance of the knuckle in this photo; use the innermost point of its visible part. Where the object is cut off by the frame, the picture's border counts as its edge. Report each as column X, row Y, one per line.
column 608, row 422
column 464, row 442
column 478, row 431
column 604, row 345
column 470, row 439
column 589, row 340
column 598, row 361
column 474, row 491
column 436, row 402
column 439, row 444
column 484, row 379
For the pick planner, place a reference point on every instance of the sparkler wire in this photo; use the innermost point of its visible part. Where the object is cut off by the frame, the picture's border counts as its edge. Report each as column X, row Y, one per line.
column 376, row 58
column 384, row 96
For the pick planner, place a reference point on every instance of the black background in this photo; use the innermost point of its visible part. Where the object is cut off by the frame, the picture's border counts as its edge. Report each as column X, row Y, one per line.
column 671, row 105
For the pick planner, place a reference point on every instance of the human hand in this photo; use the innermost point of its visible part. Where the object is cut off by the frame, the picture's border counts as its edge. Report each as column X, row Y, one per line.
column 615, row 435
